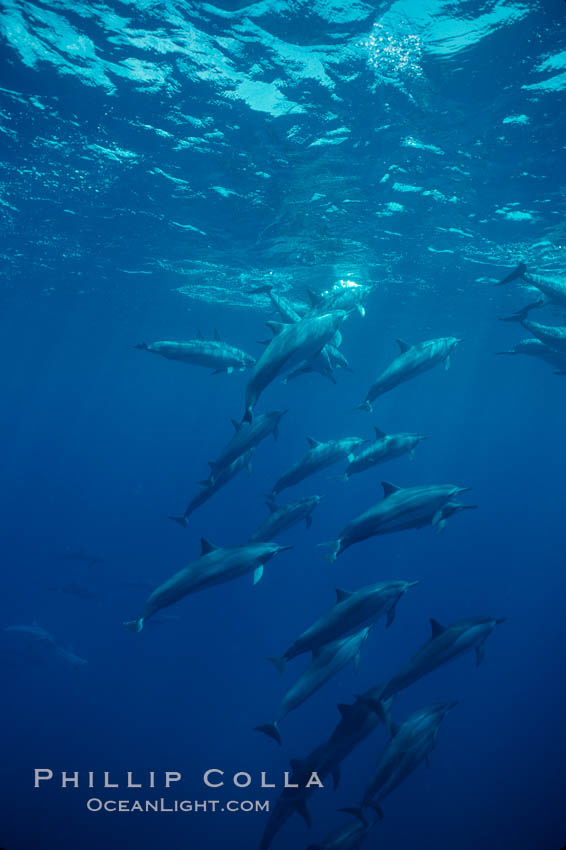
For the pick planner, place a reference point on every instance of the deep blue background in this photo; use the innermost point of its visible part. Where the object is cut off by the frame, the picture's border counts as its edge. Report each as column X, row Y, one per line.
column 102, row 441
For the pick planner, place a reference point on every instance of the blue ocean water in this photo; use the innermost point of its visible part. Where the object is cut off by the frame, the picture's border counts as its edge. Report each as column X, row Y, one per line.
column 159, row 160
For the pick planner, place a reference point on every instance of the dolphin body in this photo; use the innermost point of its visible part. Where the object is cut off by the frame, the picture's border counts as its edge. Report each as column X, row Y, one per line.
column 285, row 516
column 35, row 644
column 357, row 722
column 319, row 456
column 348, row 836
column 211, row 486
column 412, row 361
column 216, row 565
column 411, row 743
column 282, row 305
column 248, row 435
column 538, row 349
column 445, row 643
column 291, row 344
column 214, row 354
column 553, row 337
column 353, row 609
column 386, row 447
column 551, row 288
column 400, row 509
column 326, row 662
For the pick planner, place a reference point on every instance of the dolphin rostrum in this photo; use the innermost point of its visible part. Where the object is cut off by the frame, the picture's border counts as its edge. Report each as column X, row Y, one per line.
column 412, row 361
column 400, row 509
column 216, row 565
column 326, row 662
column 353, row 609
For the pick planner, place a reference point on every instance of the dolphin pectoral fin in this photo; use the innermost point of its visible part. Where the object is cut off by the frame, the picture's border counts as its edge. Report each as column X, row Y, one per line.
column 412, row 454
column 271, row 730
column 390, row 616
column 229, row 370
column 437, row 517
column 258, row 573
column 447, row 363
column 134, row 625
column 480, row 654
column 308, row 521
column 278, row 663
column 336, row 776
column 440, row 526
column 357, row 812
column 357, row 661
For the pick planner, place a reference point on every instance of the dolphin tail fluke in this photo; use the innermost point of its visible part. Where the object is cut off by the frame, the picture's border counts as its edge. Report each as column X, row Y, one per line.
column 142, row 345
column 517, row 272
column 278, row 663
column 134, row 625
column 181, row 520
column 271, row 730
column 523, row 314
column 357, row 812
column 331, row 556
column 365, row 405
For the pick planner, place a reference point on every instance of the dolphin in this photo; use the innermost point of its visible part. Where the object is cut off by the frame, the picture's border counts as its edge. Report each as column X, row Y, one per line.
column 68, row 657
column 211, row 486
column 353, row 609
column 326, row 662
column 216, row 565
column 400, row 509
column 291, row 344
column 538, row 349
column 554, row 337
column 214, row 354
column 285, row 516
column 551, row 287
column 319, row 456
column 348, row 836
column 412, row 361
column 411, row 743
column 357, row 722
column 34, row 644
column 445, row 643
column 247, row 436
column 386, row 447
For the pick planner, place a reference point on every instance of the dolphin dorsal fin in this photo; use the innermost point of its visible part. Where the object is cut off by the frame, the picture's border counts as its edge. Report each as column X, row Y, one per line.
column 389, row 488
column 236, row 424
column 312, row 442
column 344, row 709
column 379, row 433
column 342, row 595
column 404, row 346
column 314, row 297
column 436, row 627
column 276, row 327
column 206, row 546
